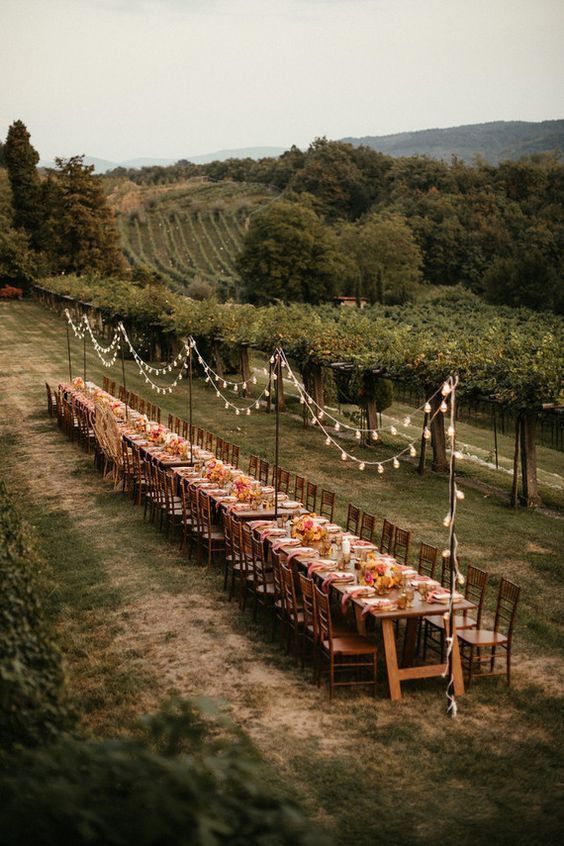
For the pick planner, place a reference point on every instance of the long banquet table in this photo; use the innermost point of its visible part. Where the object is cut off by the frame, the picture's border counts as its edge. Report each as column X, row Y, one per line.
column 263, row 521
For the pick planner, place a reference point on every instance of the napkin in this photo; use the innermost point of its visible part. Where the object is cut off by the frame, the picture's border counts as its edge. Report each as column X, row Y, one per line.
column 300, row 550
column 356, row 592
column 341, row 578
column 372, row 606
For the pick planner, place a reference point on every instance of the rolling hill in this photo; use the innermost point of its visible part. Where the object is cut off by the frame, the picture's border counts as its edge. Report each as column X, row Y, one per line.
column 494, row 141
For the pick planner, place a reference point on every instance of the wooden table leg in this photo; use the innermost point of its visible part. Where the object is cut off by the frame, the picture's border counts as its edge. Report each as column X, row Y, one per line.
column 410, row 639
column 391, row 659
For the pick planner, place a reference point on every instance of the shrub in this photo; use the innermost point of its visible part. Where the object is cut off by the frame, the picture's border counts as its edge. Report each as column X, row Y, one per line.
column 31, row 676
column 8, row 292
column 195, row 786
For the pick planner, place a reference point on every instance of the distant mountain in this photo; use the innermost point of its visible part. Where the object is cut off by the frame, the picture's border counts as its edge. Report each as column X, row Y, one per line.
column 494, row 141
column 103, row 165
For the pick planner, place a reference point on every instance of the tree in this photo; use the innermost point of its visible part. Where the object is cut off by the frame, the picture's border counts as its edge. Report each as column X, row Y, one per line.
column 289, row 255
column 21, row 160
column 387, row 257
column 89, row 240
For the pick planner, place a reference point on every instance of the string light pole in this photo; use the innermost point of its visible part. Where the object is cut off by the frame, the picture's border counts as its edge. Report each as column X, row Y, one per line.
column 69, row 353
column 276, row 372
column 126, row 397
column 190, row 426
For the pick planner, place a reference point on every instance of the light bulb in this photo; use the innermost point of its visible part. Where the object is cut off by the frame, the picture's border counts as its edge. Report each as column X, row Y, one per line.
column 248, row 412
column 327, row 441
column 426, row 433
column 380, row 469
column 412, row 451
column 395, row 464
column 459, row 455
column 275, row 376
column 343, row 456
column 224, row 384
column 337, row 426
column 266, row 392
column 226, row 405
column 450, row 431
column 459, row 494
column 427, row 408
column 207, row 379
column 302, row 401
column 235, row 388
column 406, row 421
column 393, row 430
column 460, row 578
column 445, row 390
column 254, row 380
column 320, row 415
column 257, row 405
column 237, row 412
column 362, row 465
column 374, row 435
column 217, row 394
column 244, row 386
column 357, row 435
column 446, row 521
column 309, row 400
column 272, row 359
column 446, row 553
column 443, row 407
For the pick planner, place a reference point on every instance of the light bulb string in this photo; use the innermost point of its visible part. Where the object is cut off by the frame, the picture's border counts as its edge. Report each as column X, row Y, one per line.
column 332, row 442
column 255, row 402
column 309, row 400
column 181, row 362
column 213, row 374
column 97, row 346
column 144, row 365
column 80, row 333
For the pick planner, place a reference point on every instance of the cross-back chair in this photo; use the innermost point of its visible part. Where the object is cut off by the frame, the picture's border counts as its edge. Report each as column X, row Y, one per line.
column 353, row 519
column 367, row 526
column 400, row 545
column 311, row 496
column 387, row 537
column 299, row 488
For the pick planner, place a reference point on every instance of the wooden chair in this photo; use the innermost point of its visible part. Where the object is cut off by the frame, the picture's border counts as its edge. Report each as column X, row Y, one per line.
column 367, row 526
column 238, row 566
column 193, row 498
column 387, row 539
column 187, row 526
column 208, row 442
column 309, row 631
column 279, row 616
column 235, row 455
column 327, row 507
column 105, row 383
column 170, row 422
column 247, row 577
column 173, row 510
column 475, row 591
column 185, row 430
column 311, row 496
column 400, row 545
column 151, row 491
column 253, row 466
column 345, row 654
column 112, row 388
column 299, row 488
column 263, row 582
column 353, row 519
column 264, row 471
column 200, row 436
column 283, row 481
column 141, row 406
column 133, row 401
column 51, row 403
column 479, row 647
column 427, row 560
column 177, row 425
column 293, row 613
column 212, row 539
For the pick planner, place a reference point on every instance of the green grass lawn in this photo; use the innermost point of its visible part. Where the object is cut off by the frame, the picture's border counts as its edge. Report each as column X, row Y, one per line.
column 137, row 621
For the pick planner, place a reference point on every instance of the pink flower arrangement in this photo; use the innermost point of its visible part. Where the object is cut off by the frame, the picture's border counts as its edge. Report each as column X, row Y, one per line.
column 242, row 488
column 78, row 383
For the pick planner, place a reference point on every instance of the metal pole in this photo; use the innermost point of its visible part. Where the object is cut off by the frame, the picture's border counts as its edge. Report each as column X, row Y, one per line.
column 84, row 354
column 421, row 468
column 495, row 439
column 69, row 353
column 452, row 544
column 123, row 378
column 190, row 400
column 278, row 372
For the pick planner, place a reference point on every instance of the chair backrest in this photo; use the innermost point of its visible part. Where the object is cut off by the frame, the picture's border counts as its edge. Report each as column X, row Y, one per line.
column 308, row 600
column 400, row 546
column 235, row 455
column 208, row 441
column 50, row 402
column 264, row 471
column 475, row 589
column 427, row 560
column 194, row 495
column 259, row 564
column 141, row 406
column 112, row 388
column 327, row 508
column 156, row 413
column 205, row 510
column 170, row 422
column 289, row 589
column 323, row 615
column 247, row 546
column 299, row 488
column 445, row 571
column 185, row 430
column 507, row 600
column 200, row 436
column 236, row 540
column 367, row 526
column 387, row 539
column 283, row 481
column 277, row 576
column 253, row 466
column 121, row 395
column 228, row 535
column 133, row 400
column 177, row 425
column 185, row 500
column 353, row 519
column 105, row 383
column 311, row 496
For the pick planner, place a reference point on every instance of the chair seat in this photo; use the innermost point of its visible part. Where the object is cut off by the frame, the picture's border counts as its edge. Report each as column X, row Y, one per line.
column 351, row 645
column 460, row 622
column 215, row 536
column 482, row 637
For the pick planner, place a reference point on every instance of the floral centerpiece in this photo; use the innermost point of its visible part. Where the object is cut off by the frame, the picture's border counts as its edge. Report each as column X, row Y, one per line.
column 308, row 530
column 173, row 443
column 242, row 488
column 78, row 383
column 140, row 424
column 216, row 471
column 157, row 434
column 117, row 409
column 381, row 575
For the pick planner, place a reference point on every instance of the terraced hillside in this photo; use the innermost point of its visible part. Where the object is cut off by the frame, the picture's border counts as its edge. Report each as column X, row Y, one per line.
column 189, row 233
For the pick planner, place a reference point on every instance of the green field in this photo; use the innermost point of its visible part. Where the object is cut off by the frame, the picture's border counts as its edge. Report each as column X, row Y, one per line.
column 138, row 620
column 188, row 234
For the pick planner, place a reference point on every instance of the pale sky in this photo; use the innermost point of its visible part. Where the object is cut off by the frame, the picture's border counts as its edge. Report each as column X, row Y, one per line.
column 120, row 79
